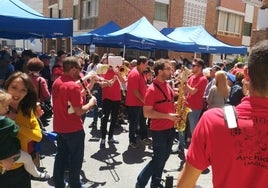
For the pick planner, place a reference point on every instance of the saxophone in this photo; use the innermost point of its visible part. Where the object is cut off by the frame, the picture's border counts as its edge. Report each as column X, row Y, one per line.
column 181, row 109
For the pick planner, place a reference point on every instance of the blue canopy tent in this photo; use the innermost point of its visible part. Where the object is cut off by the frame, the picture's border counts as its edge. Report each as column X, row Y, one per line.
column 18, row 21
column 86, row 38
column 204, row 41
column 140, row 35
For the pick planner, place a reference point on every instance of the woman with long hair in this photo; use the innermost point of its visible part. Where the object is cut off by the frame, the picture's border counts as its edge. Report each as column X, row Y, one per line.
column 23, row 110
column 219, row 92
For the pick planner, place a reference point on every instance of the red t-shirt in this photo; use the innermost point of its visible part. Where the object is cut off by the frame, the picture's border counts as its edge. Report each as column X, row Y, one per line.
column 113, row 93
column 195, row 101
column 153, row 96
column 236, row 70
column 239, row 157
column 41, row 87
column 57, row 71
column 65, row 89
column 136, row 81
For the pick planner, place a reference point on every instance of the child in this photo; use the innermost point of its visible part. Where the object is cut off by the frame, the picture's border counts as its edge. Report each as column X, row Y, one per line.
column 10, row 144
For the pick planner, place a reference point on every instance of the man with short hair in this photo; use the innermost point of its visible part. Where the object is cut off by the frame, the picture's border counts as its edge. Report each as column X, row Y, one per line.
column 136, row 88
column 159, row 107
column 195, row 88
column 67, row 123
column 237, row 152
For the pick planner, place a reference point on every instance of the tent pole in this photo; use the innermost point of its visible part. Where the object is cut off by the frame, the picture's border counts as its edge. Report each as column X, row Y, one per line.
column 124, row 51
column 71, row 47
column 43, row 43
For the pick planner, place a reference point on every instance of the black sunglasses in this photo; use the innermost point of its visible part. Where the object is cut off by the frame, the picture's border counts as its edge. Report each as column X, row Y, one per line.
column 195, row 65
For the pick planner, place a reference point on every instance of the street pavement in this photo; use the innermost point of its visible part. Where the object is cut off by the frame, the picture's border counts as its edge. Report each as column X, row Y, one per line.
column 117, row 165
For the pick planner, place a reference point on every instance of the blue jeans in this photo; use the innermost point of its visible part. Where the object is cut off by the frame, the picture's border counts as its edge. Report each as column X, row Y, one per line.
column 70, row 154
column 181, row 139
column 162, row 145
column 135, row 118
column 193, row 116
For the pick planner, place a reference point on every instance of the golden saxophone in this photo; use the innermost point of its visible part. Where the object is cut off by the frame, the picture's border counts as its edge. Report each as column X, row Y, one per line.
column 181, row 109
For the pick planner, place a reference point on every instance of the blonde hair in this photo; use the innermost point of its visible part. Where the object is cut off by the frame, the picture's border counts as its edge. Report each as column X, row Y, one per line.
column 221, row 84
column 4, row 97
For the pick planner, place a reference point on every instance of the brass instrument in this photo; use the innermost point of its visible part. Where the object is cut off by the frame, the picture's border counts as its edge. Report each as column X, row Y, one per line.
column 102, row 68
column 81, row 53
column 124, row 70
column 181, row 109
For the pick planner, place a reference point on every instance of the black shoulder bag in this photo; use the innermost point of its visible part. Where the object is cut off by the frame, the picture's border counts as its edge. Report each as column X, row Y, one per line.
column 45, row 105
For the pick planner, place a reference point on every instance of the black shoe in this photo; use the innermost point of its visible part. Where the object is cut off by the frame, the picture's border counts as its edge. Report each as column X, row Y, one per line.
column 113, row 141
column 93, row 124
column 137, row 185
column 102, row 143
column 206, row 171
column 147, row 141
column 133, row 145
column 122, row 122
column 181, row 154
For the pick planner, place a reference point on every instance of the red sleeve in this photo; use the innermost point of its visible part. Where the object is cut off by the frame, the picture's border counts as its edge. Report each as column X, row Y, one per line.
column 149, row 99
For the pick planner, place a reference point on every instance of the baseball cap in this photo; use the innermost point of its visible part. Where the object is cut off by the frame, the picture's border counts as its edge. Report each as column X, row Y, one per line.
column 215, row 68
column 230, row 77
column 44, row 56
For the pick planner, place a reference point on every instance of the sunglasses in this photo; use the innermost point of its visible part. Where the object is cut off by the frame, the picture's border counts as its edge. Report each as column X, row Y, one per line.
column 193, row 65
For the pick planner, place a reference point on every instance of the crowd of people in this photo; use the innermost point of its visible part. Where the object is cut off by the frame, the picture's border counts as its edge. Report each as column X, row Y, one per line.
column 144, row 93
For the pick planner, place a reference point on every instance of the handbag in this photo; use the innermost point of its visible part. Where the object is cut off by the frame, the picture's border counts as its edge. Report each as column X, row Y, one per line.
column 47, row 145
column 47, row 108
column 45, row 105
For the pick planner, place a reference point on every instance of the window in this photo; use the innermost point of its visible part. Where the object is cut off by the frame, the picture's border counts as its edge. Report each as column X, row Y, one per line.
column 161, row 12
column 229, row 24
column 247, row 29
column 90, row 11
column 60, row 13
column 54, row 12
column 75, row 12
column 90, row 8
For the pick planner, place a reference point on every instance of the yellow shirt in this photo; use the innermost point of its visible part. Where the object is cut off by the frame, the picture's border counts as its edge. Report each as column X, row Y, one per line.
column 29, row 130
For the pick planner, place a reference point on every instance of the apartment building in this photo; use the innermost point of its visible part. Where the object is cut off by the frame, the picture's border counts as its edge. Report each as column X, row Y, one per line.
column 230, row 21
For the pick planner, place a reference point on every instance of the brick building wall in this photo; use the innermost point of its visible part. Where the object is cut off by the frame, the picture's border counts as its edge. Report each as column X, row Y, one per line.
column 125, row 12
column 258, row 35
column 176, row 13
